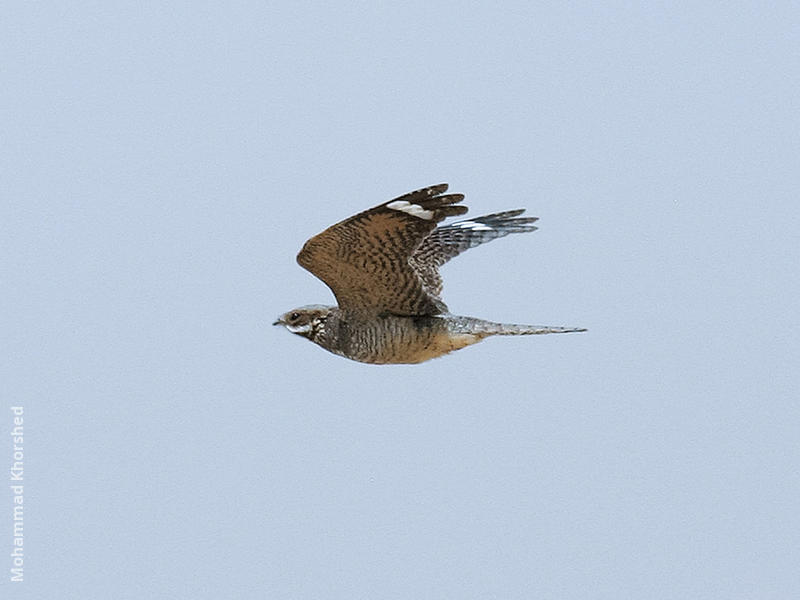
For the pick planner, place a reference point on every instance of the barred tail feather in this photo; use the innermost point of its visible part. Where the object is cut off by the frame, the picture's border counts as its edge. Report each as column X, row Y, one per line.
column 479, row 329
column 514, row 329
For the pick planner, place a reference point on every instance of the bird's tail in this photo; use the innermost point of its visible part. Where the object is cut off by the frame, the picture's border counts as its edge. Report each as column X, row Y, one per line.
column 514, row 329
column 489, row 328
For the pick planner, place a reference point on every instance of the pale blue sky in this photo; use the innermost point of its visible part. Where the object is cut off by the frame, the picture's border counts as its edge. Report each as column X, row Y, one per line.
column 164, row 162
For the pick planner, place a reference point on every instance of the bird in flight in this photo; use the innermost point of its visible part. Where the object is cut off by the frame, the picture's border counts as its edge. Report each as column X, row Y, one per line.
column 383, row 267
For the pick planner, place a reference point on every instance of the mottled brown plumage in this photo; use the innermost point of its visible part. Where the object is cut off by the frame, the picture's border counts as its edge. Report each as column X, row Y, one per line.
column 383, row 267
column 365, row 259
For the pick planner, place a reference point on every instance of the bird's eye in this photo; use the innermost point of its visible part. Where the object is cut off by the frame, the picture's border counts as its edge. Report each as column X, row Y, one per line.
column 294, row 316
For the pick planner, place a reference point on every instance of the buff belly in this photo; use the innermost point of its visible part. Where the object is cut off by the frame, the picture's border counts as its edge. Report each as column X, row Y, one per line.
column 421, row 350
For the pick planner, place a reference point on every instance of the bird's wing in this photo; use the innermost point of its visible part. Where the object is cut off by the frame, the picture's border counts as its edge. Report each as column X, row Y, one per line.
column 365, row 259
column 448, row 241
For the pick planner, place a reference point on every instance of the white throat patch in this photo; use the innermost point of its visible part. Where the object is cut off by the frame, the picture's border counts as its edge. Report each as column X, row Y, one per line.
column 304, row 328
column 415, row 210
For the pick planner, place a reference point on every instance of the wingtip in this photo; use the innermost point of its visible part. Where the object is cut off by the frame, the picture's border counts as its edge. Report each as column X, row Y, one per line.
column 435, row 190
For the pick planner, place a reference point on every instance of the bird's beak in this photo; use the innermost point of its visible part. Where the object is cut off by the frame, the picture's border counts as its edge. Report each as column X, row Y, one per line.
column 278, row 322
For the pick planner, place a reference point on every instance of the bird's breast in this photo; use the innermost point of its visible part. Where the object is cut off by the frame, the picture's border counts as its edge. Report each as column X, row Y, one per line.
column 398, row 340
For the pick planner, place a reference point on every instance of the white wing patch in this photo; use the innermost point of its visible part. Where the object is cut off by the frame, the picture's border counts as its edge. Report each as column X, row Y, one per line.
column 472, row 225
column 415, row 210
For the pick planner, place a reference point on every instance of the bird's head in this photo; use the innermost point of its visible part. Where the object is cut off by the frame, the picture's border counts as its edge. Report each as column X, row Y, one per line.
column 307, row 321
